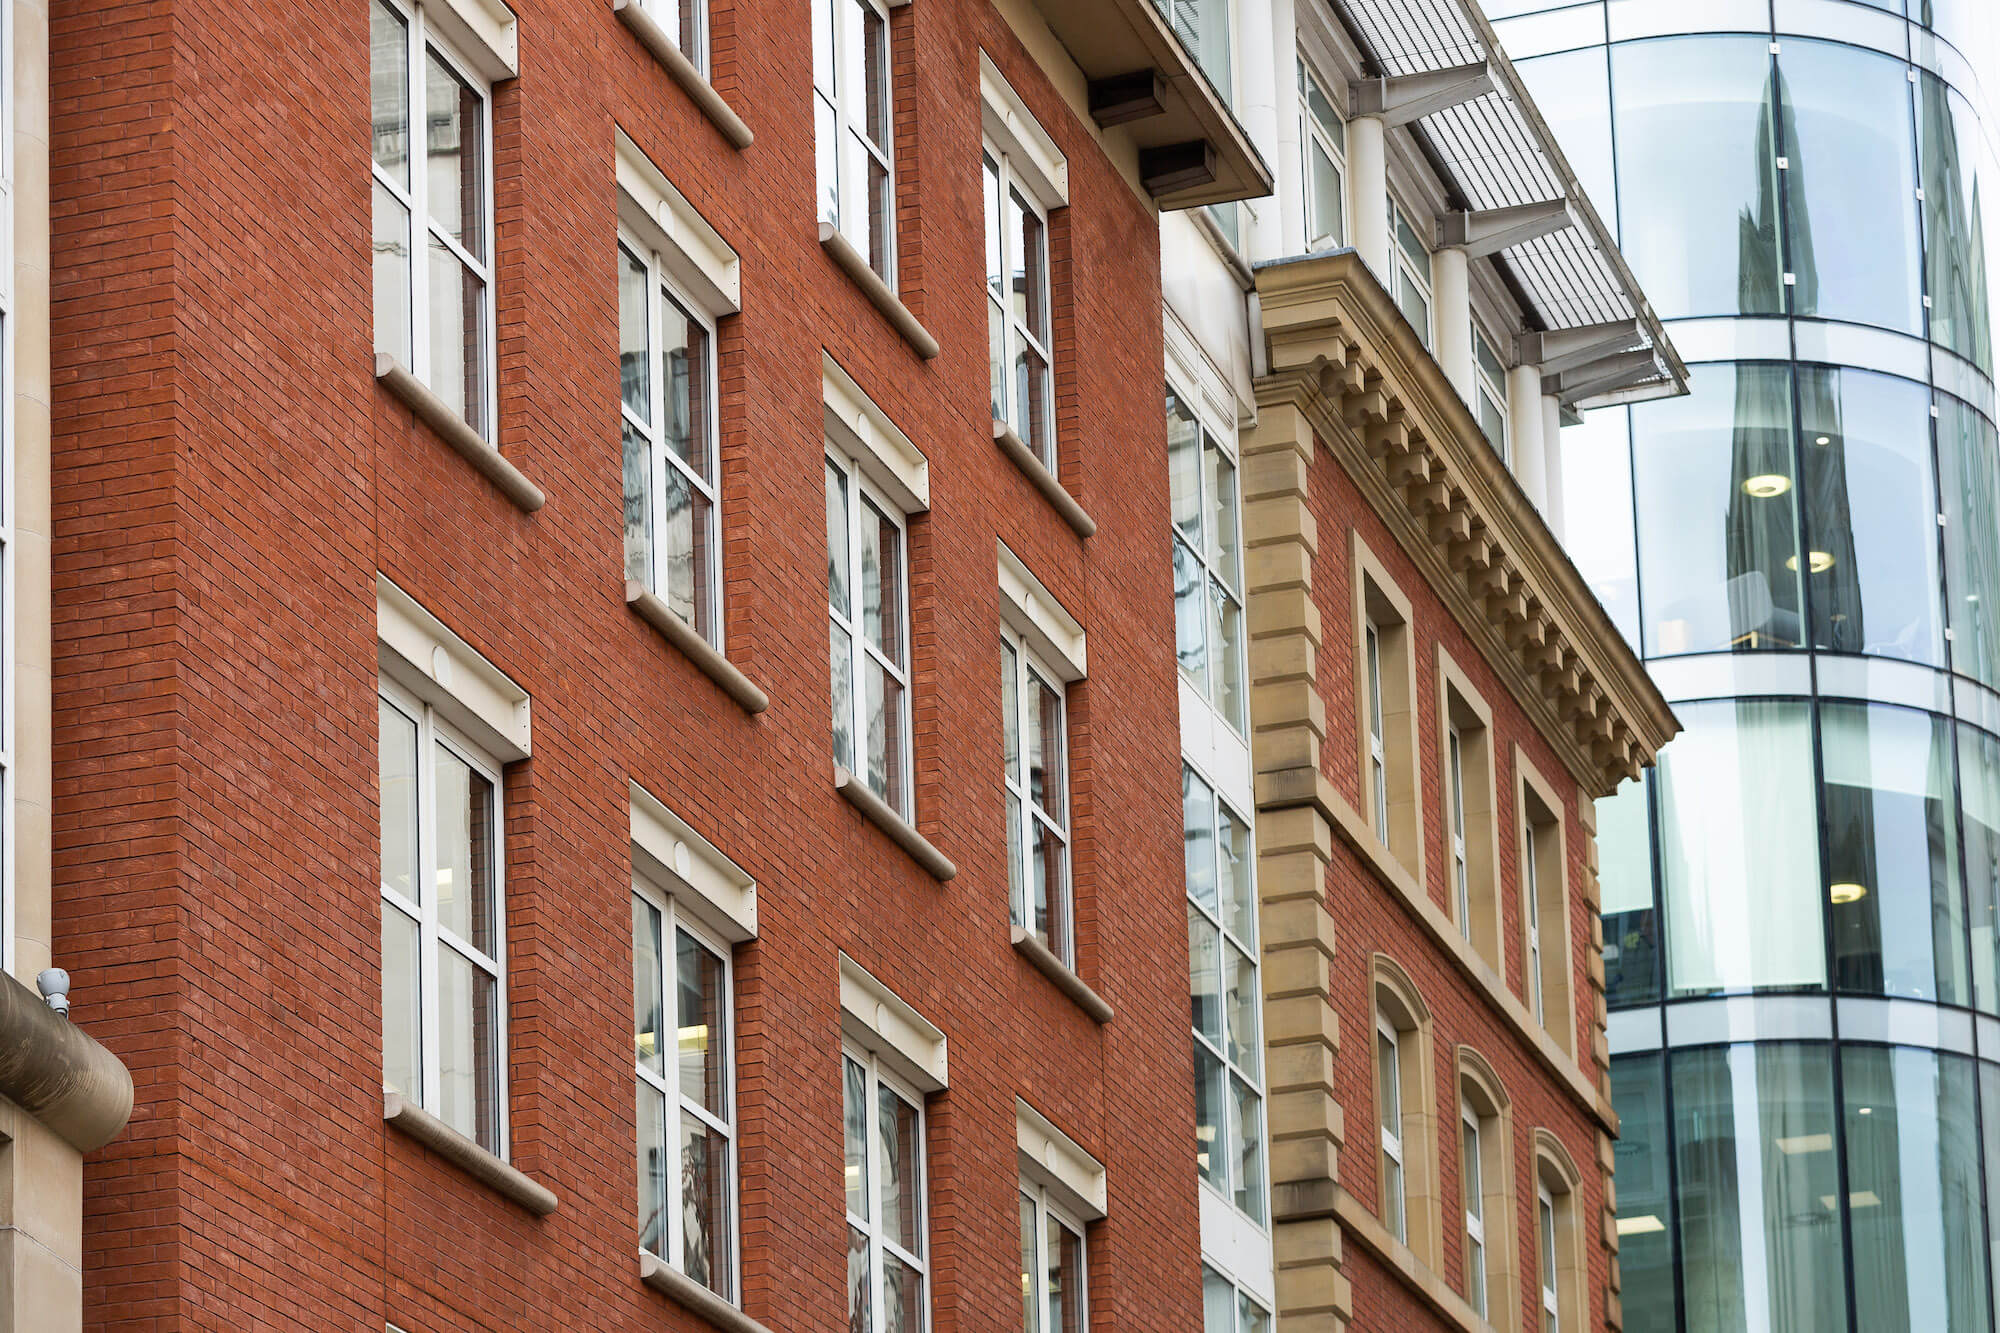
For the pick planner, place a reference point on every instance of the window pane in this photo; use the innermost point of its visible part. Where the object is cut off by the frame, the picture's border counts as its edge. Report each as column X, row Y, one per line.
column 1573, row 93
column 1010, row 720
column 1599, row 529
column 1645, row 1249
column 1045, row 748
column 854, row 1105
column 398, row 778
column 1016, row 857
column 1388, row 1085
column 996, row 229
column 1697, row 173
column 656, row 1176
column 1913, row 1190
column 468, row 1035
column 1739, row 849
column 1209, row 1145
column 1853, row 251
column 1989, row 1096
column 840, row 662
column 901, row 1180
column 686, row 427
column 402, row 1013
column 1030, row 275
column 638, row 470
column 1242, row 978
column 881, row 582
column 1032, row 401
column 1892, row 849
column 823, row 24
column 465, row 850
column 1325, row 223
column 634, row 356
column 1184, row 467
column 389, row 90
column 706, row 1227
column 826, row 159
column 869, row 43
column 902, row 1297
column 392, row 276
column 1031, row 1269
column 1218, row 1302
column 704, row 1035
column 883, row 705
column 1239, row 903
column 1955, row 173
column 1050, row 880
column 1969, row 460
column 836, row 539
column 1205, row 977
column 1066, row 1277
column 1625, row 877
column 686, row 520
column 860, row 1287
column 1754, row 1132
column 457, row 336
column 1871, row 534
column 1251, row 1317
column 648, row 1041
column 996, row 347
column 1190, row 615
column 1226, row 632
column 1718, row 537
column 1198, row 821
column 454, row 155
column 1979, row 798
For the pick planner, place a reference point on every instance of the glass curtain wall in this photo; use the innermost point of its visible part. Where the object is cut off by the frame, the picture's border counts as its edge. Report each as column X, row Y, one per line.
column 1806, row 550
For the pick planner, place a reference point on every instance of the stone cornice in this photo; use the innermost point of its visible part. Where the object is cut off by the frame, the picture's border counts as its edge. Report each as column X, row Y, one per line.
column 1342, row 354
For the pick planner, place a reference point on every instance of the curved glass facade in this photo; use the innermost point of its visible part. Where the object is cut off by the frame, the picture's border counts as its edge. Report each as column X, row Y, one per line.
column 1802, row 901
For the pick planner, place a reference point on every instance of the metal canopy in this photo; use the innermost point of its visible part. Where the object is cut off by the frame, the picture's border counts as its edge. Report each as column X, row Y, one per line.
column 1494, row 151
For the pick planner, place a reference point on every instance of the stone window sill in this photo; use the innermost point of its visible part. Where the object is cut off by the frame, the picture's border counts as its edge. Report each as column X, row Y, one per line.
column 632, row 13
column 411, row 1119
column 1045, row 481
column 877, row 291
column 696, row 649
column 1367, row 1229
column 453, row 430
column 1057, row 971
column 857, row 794
column 691, row 1295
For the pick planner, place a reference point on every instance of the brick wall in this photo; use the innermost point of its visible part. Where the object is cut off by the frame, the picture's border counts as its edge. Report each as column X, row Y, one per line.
column 228, row 481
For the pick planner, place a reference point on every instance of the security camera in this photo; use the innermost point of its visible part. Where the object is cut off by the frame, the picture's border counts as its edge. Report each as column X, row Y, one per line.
column 54, row 986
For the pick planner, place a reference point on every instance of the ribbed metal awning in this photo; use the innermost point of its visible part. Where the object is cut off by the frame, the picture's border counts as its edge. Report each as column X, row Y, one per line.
column 1494, row 151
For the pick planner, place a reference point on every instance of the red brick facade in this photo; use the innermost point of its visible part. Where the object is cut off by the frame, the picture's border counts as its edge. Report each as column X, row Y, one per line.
column 228, row 481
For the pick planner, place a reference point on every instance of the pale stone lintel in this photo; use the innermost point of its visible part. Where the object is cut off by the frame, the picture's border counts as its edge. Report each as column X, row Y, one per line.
column 1055, row 1160
column 661, row 216
column 484, row 33
column 1038, row 163
column 1344, row 360
column 420, row 653
column 1327, row 803
column 711, row 887
column 864, row 432
column 878, row 1020
column 1033, row 612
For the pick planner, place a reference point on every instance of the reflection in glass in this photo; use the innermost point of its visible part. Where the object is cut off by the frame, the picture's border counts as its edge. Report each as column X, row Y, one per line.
column 1954, row 172
column 1892, row 853
column 1871, row 533
column 1979, row 801
column 1969, row 479
column 1718, row 534
column 1599, row 532
column 1853, row 247
column 1573, row 92
column 1913, row 1190
column 1645, row 1248
column 1739, row 849
column 1758, row 1184
column 1625, row 883
column 1697, row 173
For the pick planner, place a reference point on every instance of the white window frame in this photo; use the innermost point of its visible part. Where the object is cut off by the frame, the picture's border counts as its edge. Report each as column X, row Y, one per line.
column 1545, row 1224
column 861, row 652
column 434, row 730
column 849, row 111
column 1029, row 668
column 1389, row 1107
column 1531, row 911
column 423, row 37
column 673, row 919
column 878, row 1077
column 669, row 15
column 1406, row 270
column 1013, row 183
column 1036, row 1285
column 1232, row 1071
column 1493, row 391
column 1224, row 444
column 1472, row 1184
column 1378, row 752
column 1313, row 133
column 661, row 287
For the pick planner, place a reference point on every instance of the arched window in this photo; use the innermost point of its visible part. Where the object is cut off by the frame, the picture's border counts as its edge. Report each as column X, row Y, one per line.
column 1486, row 1187
column 1563, row 1299
column 1405, row 1112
